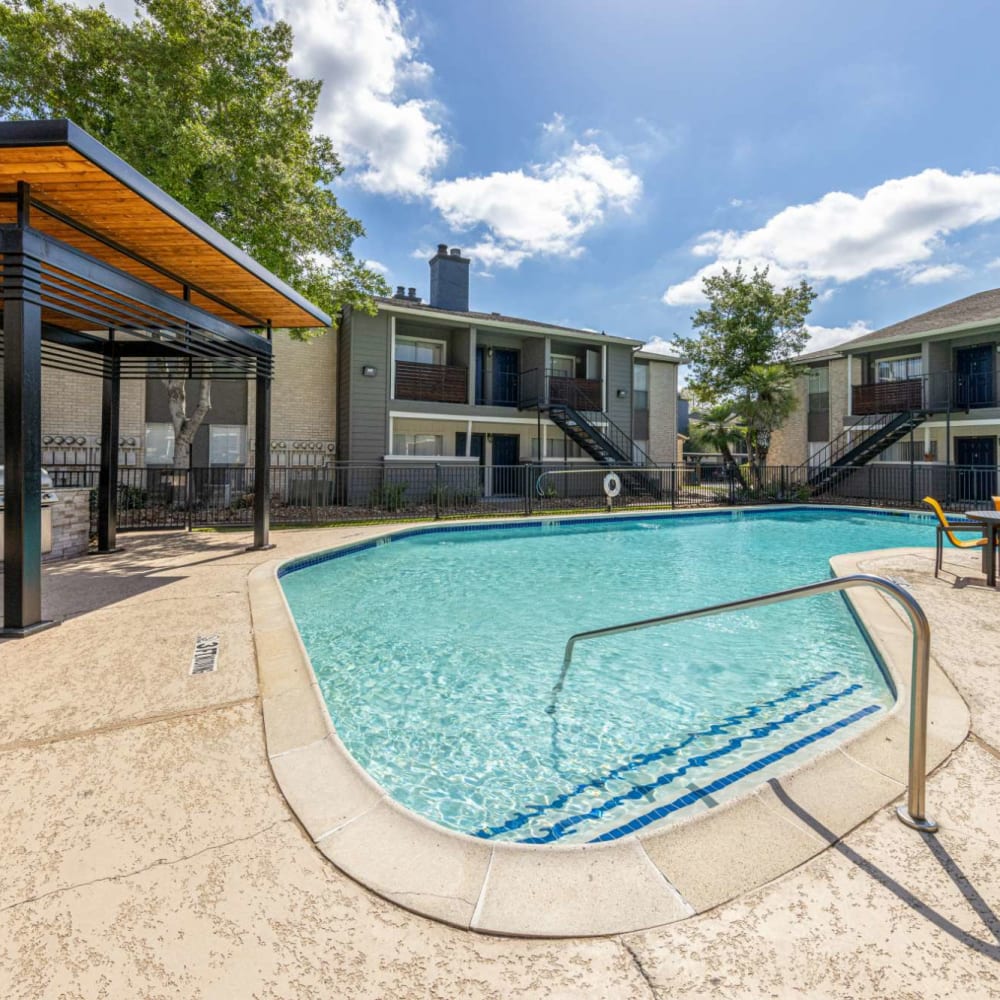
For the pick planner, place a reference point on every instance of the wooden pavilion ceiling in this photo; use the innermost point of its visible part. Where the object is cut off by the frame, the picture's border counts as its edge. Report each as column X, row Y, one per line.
column 77, row 177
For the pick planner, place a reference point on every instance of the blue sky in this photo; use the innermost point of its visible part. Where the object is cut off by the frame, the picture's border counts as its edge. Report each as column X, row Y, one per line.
column 596, row 159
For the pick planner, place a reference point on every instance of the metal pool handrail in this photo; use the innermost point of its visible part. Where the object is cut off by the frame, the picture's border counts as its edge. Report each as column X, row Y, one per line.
column 912, row 814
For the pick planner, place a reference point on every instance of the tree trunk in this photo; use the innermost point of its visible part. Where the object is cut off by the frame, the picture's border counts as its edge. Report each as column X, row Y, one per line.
column 730, row 460
column 185, row 427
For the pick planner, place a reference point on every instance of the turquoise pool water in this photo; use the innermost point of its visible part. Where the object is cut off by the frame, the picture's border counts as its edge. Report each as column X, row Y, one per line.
column 437, row 653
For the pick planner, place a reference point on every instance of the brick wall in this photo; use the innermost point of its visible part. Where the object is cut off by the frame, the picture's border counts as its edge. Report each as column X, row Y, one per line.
column 303, row 395
column 788, row 443
column 840, row 387
column 662, row 412
column 71, row 405
column 70, row 524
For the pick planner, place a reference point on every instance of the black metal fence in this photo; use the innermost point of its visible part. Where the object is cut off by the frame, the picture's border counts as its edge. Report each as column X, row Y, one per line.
column 223, row 496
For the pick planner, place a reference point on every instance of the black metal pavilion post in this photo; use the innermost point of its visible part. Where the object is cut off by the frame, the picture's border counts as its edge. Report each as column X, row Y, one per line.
column 107, row 486
column 22, row 430
column 262, row 459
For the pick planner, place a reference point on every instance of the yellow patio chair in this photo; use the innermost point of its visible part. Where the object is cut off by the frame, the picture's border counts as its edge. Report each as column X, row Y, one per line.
column 996, row 502
column 946, row 527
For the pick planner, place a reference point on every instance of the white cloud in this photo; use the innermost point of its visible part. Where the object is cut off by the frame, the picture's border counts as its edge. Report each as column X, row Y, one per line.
column 376, row 265
column 994, row 265
column 657, row 345
column 841, row 237
column 935, row 273
column 556, row 125
column 546, row 209
column 822, row 338
column 360, row 49
column 391, row 142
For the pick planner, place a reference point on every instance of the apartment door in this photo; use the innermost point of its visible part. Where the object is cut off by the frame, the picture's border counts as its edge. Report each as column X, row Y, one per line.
column 505, row 381
column 974, row 376
column 506, row 471
column 976, row 475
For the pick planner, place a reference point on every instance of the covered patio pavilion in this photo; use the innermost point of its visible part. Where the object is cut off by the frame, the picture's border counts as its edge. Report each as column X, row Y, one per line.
column 105, row 274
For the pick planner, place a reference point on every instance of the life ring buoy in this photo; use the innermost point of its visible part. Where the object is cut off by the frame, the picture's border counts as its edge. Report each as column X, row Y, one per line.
column 612, row 485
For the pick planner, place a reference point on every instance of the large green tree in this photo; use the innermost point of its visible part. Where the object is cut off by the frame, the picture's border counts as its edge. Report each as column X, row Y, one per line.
column 747, row 322
column 199, row 98
column 741, row 357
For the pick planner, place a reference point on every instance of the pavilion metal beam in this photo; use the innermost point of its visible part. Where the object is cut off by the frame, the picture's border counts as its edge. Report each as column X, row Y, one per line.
column 71, row 338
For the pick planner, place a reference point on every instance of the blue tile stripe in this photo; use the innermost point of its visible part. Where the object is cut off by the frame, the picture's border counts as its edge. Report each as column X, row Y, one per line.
column 566, row 825
column 758, row 765
column 641, row 760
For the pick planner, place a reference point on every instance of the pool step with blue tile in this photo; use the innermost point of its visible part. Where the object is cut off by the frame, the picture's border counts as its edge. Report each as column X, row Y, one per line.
column 693, row 772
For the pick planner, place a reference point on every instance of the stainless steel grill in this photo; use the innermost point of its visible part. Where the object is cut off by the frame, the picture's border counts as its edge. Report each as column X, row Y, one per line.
column 49, row 497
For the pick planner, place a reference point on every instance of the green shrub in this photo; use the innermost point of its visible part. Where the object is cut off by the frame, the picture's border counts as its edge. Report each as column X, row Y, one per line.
column 388, row 496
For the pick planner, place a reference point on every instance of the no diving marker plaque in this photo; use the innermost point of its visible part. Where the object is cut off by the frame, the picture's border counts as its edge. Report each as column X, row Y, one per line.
column 206, row 654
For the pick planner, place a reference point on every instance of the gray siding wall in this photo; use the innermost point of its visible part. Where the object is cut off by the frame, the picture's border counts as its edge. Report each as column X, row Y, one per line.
column 368, row 410
column 459, row 353
column 620, row 377
column 532, row 353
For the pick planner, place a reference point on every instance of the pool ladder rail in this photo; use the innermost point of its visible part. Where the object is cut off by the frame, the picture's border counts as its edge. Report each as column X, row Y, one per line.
column 913, row 813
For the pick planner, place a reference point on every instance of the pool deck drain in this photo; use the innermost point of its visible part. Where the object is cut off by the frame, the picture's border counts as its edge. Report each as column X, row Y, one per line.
column 148, row 851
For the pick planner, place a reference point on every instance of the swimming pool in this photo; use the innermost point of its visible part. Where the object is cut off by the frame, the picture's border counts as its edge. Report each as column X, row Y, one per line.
column 437, row 654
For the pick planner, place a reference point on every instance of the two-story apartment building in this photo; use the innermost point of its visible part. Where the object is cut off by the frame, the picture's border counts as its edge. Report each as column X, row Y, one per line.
column 413, row 384
column 924, row 391
column 438, row 382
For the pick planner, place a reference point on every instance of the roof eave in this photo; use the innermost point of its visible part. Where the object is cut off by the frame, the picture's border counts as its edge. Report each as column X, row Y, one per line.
column 525, row 326
column 944, row 331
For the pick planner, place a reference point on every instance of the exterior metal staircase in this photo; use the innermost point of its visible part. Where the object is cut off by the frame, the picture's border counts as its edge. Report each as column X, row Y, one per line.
column 856, row 447
column 573, row 411
column 601, row 438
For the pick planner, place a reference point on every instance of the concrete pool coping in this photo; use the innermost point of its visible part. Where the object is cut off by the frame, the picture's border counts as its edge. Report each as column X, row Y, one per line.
column 638, row 882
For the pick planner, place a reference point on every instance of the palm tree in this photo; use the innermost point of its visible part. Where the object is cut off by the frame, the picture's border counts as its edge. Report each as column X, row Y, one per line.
column 722, row 428
column 768, row 402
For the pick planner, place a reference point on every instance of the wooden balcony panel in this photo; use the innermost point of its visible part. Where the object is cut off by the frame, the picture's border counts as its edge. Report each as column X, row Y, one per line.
column 580, row 393
column 431, row 383
column 888, row 397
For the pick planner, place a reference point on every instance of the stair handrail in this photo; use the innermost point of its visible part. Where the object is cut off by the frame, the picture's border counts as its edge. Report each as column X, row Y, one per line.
column 913, row 814
column 844, row 442
column 613, row 435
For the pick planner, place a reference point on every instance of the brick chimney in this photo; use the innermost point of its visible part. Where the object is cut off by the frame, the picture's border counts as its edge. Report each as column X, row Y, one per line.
column 449, row 279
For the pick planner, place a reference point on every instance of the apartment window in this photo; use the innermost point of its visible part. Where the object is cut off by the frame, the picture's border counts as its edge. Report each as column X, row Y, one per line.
column 563, row 365
column 423, row 352
column 159, row 444
column 227, row 444
column 640, row 387
column 819, row 389
column 899, row 369
column 418, row 444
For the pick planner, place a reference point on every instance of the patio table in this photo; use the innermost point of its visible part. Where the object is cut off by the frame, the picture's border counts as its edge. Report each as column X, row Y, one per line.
column 990, row 519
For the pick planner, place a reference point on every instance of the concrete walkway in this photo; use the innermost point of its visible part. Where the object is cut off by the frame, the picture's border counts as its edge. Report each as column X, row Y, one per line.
column 148, row 853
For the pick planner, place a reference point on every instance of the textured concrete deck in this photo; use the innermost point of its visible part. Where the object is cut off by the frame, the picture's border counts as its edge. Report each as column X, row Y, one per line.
column 148, row 852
